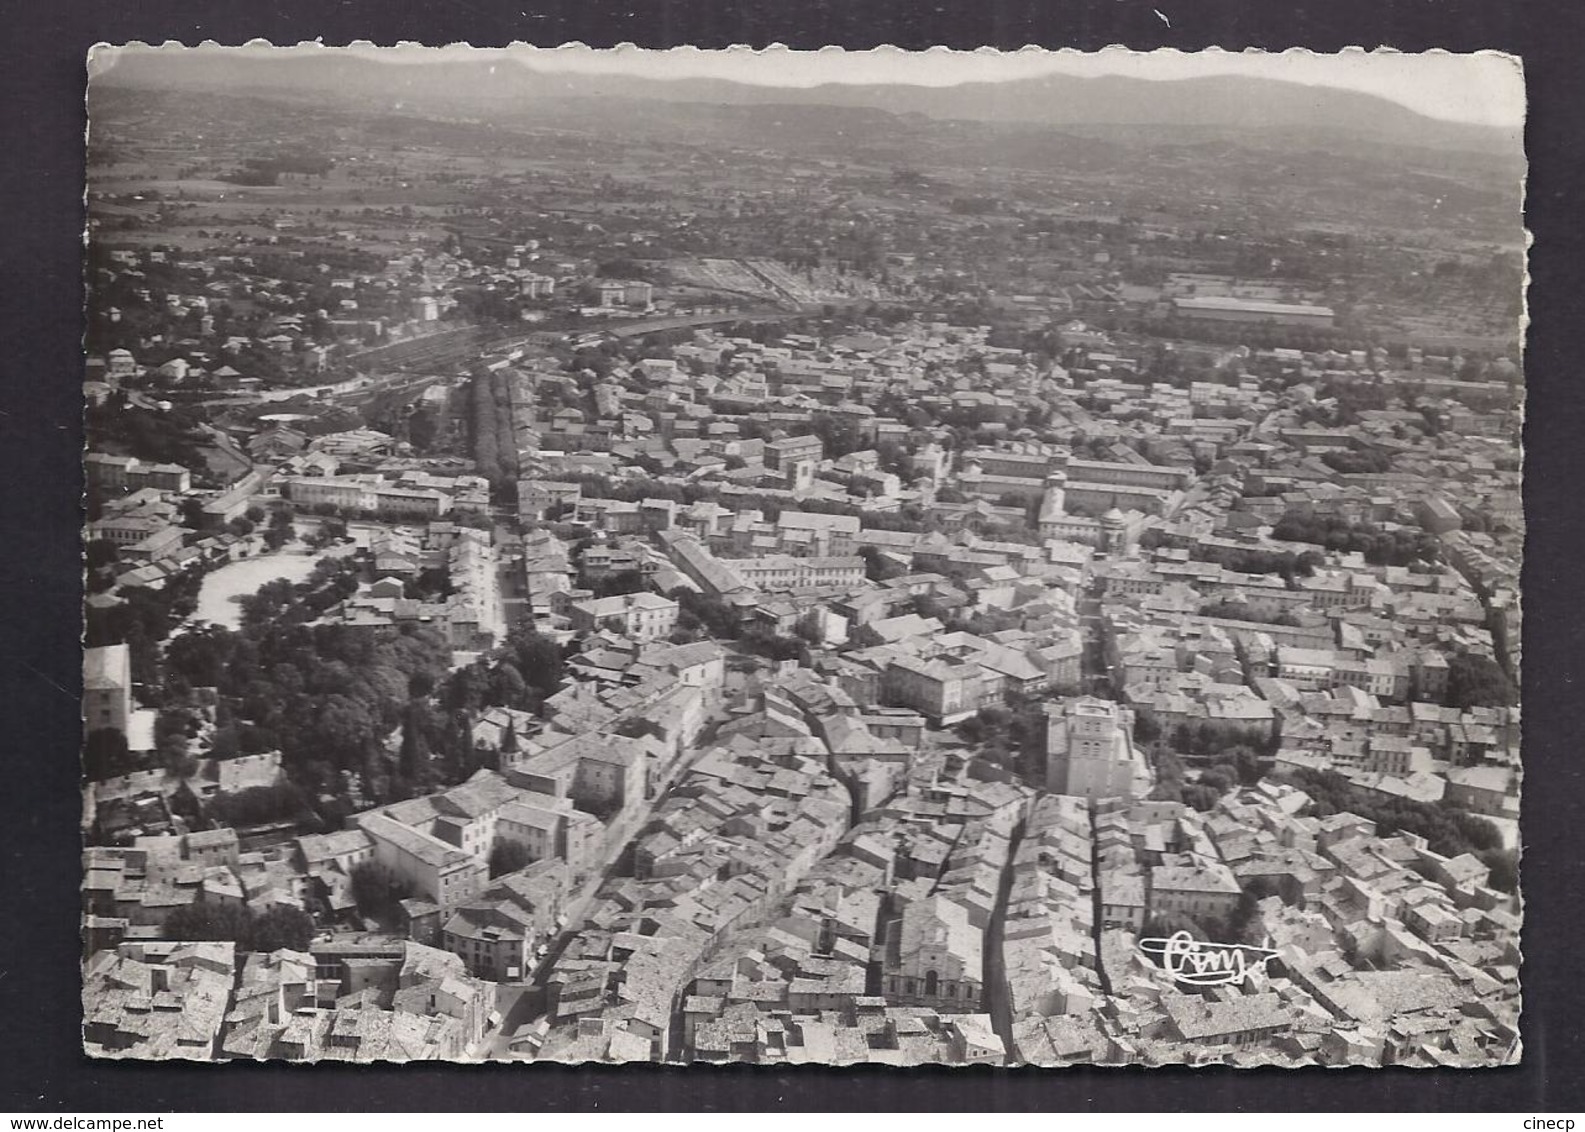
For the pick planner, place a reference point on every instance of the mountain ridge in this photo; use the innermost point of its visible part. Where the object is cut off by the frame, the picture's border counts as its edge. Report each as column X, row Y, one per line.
column 1065, row 102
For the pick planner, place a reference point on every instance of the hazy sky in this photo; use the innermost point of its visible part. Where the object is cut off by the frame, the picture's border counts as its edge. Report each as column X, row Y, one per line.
column 1486, row 87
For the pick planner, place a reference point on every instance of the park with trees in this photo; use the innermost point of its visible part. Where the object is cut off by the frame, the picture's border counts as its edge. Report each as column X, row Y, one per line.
column 1398, row 546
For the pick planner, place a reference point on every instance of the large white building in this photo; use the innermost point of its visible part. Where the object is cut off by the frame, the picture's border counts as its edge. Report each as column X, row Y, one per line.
column 639, row 617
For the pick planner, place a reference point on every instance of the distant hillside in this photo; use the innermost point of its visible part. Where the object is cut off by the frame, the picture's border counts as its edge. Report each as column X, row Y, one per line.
column 1226, row 103
column 1226, row 106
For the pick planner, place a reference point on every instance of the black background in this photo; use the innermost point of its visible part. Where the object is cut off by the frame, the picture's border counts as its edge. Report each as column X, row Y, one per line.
column 41, row 1067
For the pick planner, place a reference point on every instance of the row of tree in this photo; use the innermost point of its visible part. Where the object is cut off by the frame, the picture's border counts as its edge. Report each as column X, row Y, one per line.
column 1230, row 768
column 1251, row 560
column 276, row 927
column 1371, row 461
column 494, row 444
column 258, row 805
column 1447, row 829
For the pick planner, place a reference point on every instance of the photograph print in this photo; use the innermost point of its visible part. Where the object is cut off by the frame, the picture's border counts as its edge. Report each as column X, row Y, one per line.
column 802, row 558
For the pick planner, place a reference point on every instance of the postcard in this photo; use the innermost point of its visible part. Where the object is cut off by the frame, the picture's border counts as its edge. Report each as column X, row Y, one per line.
column 936, row 558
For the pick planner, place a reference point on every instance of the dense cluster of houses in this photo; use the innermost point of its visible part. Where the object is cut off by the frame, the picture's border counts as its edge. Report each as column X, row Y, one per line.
column 797, row 855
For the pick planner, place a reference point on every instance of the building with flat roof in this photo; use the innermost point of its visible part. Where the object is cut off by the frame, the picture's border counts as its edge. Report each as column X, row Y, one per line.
column 1223, row 308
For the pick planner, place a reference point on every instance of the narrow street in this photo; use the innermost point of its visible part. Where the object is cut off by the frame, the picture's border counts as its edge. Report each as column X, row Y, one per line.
column 1096, row 918
column 1095, row 677
column 994, row 976
column 527, row 1007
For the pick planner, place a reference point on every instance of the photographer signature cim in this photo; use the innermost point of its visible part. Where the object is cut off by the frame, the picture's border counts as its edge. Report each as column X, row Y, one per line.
column 1194, row 962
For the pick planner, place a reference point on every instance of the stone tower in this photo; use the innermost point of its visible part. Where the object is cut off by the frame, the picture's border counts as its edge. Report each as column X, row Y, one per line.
column 1090, row 751
column 1054, row 503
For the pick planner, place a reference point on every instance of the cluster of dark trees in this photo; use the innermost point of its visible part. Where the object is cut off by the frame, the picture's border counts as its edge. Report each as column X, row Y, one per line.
column 105, row 755
column 279, row 532
column 328, row 696
column 626, row 267
column 1207, row 742
column 1358, row 462
column 426, row 429
column 258, row 805
column 332, row 581
column 435, row 750
column 98, row 555
column 176, row 726
column 765, row 641
column 700, row 616
column 1249, row 560
column 1012, row 737
column 378, row 891
column 877, row 568
column 268, row 170
column 323, row 695
column 602, row 360
column 525, row 672
column 1230, row 767
column 618, row 582
column 508, row 857
column 1202, row 740
column 703, row 617
column 276, row 927
column 1349, row 399
column 144, row 618
column 840, row 435
column 433, row 583
column 330, row 532
column 482, row 305
column 1447, row 829
column 116, row 425
column 1380, row 547
column 899, row 407
column 1182, row 368
column 1243, row 611
column 1477, row 681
